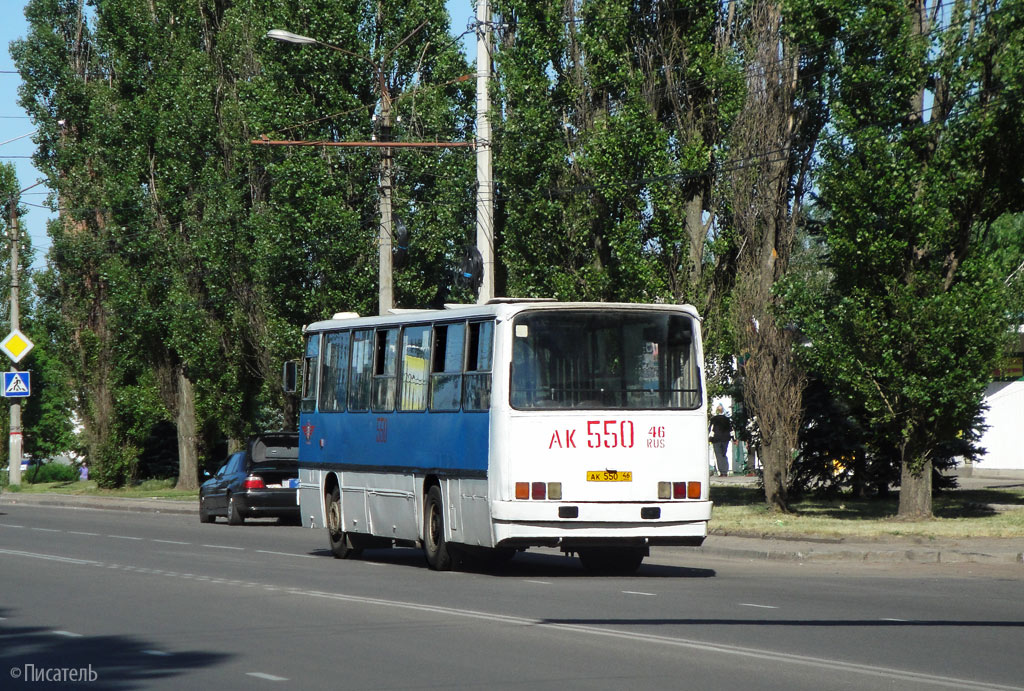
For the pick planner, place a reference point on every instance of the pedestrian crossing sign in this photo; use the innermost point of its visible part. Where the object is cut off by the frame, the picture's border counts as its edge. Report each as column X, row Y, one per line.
column 17, row 384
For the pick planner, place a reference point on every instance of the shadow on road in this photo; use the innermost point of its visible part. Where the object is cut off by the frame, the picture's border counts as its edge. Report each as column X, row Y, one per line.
column 40, row 658
column 825, row 623
column 524, row 565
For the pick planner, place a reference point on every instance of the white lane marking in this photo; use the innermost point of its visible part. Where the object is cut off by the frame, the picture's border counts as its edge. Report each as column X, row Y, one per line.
column 240, row 549
column 172, row 542
column 157, row 653
column 637, row 592
column 47, row 530
column 124, row 537
column 890, row 619
column 751, row 604
column 264, row 675
column 80, row 532
column 67, row 634
column 50, row 557
column 771, row 656
column 11, row 525
column 287, row 554
column 529, row 580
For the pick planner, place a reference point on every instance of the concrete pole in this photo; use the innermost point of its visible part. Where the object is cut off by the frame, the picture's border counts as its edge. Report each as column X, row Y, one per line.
column 484, row 175
column 15, row 445
column 386, row 298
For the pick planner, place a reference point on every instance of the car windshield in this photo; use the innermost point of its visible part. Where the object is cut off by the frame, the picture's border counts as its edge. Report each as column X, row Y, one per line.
column 604, row 359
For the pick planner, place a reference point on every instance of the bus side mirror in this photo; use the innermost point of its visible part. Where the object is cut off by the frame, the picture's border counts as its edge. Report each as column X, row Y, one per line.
column 290, row 376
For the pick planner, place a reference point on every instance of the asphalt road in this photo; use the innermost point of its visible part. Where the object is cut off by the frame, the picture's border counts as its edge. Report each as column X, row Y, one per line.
column 116, row 600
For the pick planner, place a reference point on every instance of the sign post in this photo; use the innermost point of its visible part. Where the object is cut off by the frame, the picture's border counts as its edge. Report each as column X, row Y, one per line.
column 16, row 345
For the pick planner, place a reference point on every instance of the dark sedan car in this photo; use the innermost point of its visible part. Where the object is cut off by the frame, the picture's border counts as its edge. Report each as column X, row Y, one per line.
column 260, row 481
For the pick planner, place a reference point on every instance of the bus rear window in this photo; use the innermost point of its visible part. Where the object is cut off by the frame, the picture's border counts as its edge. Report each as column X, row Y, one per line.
column 608, row 359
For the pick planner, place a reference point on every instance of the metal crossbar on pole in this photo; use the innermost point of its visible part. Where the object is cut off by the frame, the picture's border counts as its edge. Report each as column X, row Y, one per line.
column 372, row 144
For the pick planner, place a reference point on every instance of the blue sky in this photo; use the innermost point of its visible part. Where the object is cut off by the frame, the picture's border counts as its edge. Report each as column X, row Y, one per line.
column 14, row 122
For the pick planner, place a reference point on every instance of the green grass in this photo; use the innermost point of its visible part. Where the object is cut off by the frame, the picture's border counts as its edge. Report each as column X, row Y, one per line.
column 961, row 513
column 958, row 514
column 147, row 489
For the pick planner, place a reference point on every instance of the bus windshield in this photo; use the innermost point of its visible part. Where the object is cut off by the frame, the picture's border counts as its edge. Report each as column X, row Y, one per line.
column 604, row 359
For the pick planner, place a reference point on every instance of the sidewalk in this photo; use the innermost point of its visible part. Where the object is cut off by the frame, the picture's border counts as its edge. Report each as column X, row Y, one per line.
column 85, row 501
column 890, row 550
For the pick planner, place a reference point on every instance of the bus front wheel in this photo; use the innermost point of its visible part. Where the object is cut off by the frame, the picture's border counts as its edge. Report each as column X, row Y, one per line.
column 341, row 545
column 439, row 557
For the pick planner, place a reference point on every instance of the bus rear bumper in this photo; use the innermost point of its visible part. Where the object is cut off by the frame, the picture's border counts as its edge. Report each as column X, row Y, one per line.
column 650, row 523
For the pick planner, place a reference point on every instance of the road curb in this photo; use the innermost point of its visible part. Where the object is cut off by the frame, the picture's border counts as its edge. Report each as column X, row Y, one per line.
column 990, row 551
column 70, row 501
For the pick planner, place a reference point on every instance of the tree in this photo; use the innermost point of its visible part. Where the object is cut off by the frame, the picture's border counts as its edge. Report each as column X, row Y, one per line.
column 918, row 309
column 612, row 117
column 766, row 179
column 62, row 91
column 185, row 260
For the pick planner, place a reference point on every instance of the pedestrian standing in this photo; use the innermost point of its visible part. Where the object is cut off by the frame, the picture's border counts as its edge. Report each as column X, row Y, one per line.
column 720, row 434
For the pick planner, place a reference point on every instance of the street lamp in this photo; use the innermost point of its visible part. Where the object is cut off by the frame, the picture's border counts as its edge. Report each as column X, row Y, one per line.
column 385, row 295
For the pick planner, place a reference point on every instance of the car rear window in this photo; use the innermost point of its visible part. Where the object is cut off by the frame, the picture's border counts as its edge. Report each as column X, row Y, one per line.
column 276, row 452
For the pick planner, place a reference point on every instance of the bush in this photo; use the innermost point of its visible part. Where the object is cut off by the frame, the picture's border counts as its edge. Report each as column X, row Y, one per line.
column 50, row 472
column 116, row 466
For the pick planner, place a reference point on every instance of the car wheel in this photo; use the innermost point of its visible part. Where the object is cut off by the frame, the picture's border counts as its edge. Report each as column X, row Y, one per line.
column 438, row 555
column 341, row 543
column 204, row 515
column 234, row 516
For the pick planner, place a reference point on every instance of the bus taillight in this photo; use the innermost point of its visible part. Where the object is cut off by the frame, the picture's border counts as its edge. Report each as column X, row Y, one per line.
column 539, row 490
column 679, row 490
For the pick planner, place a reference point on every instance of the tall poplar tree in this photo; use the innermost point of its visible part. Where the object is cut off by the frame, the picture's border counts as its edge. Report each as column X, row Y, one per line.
column 921, row 164
column 613, row 114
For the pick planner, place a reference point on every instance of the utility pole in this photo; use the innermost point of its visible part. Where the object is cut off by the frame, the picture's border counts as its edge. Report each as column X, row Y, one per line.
column 15, row 444
column 385, row 294
column 484, row 175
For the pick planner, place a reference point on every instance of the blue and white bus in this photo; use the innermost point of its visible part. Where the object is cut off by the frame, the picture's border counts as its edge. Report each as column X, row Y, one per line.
column 492, row 428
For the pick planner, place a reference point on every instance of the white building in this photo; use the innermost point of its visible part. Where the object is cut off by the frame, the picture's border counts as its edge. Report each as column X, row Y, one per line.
column 1003, row 441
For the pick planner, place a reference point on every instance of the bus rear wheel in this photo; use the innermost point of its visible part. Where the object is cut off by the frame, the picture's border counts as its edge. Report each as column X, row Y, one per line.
column 341, row 544
column 612, row 561
column 439, row 556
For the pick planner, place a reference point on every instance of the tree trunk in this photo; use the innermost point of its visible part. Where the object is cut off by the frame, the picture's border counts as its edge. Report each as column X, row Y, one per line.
column 185, row 419
column 916, row 492
column 775, row 464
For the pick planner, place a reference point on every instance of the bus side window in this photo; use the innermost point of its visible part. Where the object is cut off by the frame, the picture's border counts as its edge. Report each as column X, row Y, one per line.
column 446, row 366
column 334, row 373
column 477, row 381
column 385, row 370
column 309, row 373
column 415, row 364
column 360, row 381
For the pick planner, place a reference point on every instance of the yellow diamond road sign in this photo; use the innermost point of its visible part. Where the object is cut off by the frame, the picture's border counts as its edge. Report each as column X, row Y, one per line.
column 16, row 345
